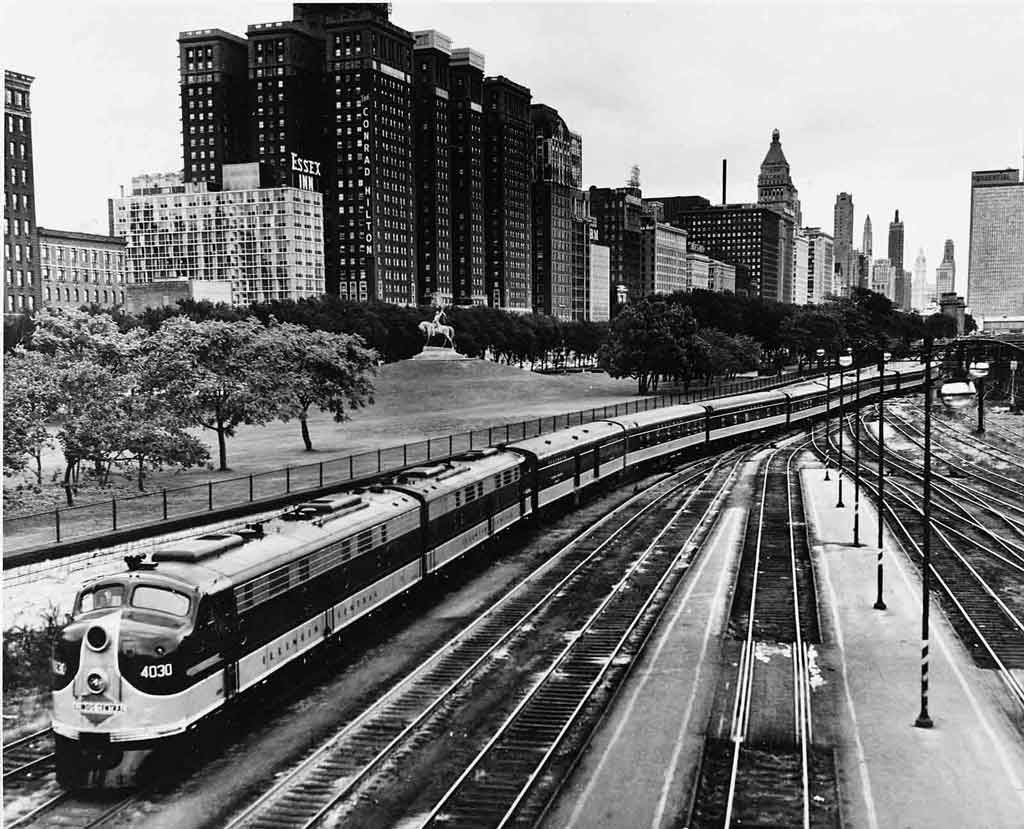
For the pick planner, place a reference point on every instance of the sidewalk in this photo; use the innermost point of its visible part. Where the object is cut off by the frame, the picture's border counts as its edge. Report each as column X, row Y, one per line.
column 968, row 770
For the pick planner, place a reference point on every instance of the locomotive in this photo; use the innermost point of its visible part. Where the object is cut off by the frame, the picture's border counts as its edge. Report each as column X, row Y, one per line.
column 151, row 652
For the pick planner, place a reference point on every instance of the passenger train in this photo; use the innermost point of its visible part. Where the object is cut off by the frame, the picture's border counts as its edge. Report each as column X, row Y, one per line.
column 151, row 652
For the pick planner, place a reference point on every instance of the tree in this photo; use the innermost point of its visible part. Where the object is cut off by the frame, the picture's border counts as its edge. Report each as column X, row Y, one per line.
column 30, row 400
column 648, row 340
column 210, row 374
column 332, row 372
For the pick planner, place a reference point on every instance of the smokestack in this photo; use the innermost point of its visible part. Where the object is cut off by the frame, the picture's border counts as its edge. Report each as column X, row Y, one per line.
column 724, row 162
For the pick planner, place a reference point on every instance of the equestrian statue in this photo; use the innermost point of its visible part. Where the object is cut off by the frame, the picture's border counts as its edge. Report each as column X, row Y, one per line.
column 431, row 328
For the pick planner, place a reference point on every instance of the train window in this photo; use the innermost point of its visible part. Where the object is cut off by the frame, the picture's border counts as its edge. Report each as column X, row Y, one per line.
column 99, row 598
column 159, row 598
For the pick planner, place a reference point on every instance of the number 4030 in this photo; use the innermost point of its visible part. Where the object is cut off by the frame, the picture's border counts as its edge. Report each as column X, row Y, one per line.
column 157, row 671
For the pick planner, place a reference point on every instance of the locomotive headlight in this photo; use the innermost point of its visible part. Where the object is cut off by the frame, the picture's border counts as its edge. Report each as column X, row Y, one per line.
column 96, row 638
column 97, row 682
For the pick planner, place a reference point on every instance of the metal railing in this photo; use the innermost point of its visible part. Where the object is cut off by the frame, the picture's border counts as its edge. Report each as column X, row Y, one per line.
column 65, row 524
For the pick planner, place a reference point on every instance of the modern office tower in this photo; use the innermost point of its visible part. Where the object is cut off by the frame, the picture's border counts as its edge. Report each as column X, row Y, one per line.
column 995, row 270
column 896, row 243
column 883, row 278
column 866, row 240
column 617, row 211
column 843, row 235
column 801, row 276
column 757, row 240
column 820, row 265
column 82, row 269
column 432, row 55
column 902, row 287
column 371, row 252
column 244, row 243
column 945, row 274
column 599, row 279
column 508, row 160
column 863, row 271
column 213, row 69
column 22, row 286
column 664, row 266
column 466, row 174
column 919, row 298
column 285, row 95
column 557, row 178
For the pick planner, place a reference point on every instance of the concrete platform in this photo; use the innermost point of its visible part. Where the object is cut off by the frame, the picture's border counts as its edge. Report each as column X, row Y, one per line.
column 966, row 771
column 434, row 353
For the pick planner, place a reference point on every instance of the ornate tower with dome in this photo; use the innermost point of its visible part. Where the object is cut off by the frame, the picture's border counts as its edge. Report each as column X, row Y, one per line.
column 775, row 185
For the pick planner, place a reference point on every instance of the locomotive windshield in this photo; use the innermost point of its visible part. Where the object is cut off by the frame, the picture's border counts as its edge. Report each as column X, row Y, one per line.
column 147, row 597
column 100, row 598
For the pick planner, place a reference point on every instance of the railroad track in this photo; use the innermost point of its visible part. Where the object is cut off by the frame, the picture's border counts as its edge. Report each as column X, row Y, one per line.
column 29, row 756
column 531, row 663
column 68, row 810
column 766, row 770
column 992, row 630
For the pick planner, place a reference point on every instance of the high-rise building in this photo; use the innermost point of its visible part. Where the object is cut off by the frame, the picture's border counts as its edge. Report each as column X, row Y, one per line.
column 508, row 164
column 945, row 274
column 896, row 243
column 557, row 178
column 213, row 80
column 617, row 212
column 82, row 269
column 921, row 295
column 775, row 190
column 465, row 108
column 254, row 243
column 883, row 278
column 285, row 96
column 995, row 270
column 866, row 241
column 22, row 284
column 820, row 265
column 371, row 251
column 757, row 240
column 329, row 93
column 433, row 184
column 599, row 279
column 801, row 276
column 663, row 259
column 843, row 235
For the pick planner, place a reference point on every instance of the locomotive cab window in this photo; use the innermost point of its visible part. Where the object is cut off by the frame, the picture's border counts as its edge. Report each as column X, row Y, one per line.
column 100, row 598
column 160, row 599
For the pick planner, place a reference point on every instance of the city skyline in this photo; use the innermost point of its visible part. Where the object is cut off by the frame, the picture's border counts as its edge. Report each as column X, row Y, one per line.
column 922, row 167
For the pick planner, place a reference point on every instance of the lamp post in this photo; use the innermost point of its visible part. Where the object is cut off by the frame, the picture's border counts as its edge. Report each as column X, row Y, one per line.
column 856, row 464
column 883, row 358
column 978, row 372
column 955, row 395
column 828, row 394
column 845, row 361
column 1013, row 385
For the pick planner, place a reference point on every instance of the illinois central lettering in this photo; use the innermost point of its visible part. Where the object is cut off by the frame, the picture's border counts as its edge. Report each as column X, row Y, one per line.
column 304, row 165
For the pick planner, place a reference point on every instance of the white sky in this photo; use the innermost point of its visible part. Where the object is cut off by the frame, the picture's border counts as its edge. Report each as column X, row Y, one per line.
column 896, row 103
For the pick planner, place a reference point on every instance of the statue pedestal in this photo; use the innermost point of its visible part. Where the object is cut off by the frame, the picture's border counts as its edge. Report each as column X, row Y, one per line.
column 436, row 353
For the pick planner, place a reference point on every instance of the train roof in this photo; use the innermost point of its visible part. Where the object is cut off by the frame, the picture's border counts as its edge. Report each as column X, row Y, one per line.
column 220, row 560
column 651, row 417
column 434, row 480
column 553, row 443
column 727, row 404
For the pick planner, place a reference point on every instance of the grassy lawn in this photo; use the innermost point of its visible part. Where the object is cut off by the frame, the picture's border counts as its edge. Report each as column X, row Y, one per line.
column 414, row 400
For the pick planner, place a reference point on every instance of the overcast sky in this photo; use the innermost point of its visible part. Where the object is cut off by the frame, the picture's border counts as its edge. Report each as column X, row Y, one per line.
column 896, row 103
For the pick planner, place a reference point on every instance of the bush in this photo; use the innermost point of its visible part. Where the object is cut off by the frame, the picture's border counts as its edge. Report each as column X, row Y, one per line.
column 27, row 652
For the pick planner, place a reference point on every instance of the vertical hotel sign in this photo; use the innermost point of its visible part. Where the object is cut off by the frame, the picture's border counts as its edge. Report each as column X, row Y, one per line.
column 305, row 173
